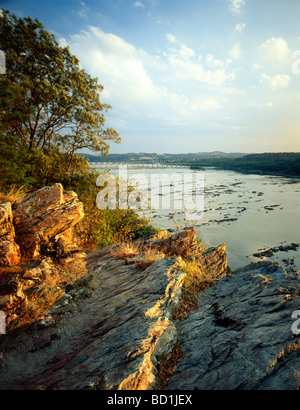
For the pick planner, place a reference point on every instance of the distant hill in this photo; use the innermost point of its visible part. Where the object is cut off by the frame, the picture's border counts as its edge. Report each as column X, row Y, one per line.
column 161, row 158
column 279, row 163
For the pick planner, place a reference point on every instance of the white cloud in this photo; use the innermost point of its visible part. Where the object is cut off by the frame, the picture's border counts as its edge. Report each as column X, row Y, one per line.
column 83, row 12
column 212, row 61
column 280, row 80
column 240, row 27
column 139, row 4
column 185, row 65
column 63, row 42
column 117, row 63
column 188, row 70
column 183, row 51
column 186, row 52
column 235, row 6
column 235, row 51
column 166, row 85
column 171, row 38
column 275, row 50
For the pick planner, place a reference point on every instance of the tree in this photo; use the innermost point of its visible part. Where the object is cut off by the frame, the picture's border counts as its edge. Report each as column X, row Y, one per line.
column 47, row 101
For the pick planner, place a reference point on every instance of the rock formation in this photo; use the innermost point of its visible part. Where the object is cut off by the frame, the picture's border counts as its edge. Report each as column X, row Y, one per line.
column 43, row 217
column 241, row 335
column 113, row 328
column 38, row 252
column 111, row 325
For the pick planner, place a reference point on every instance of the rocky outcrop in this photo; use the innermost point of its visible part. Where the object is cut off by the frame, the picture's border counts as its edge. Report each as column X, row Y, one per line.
column 112, row 329
column 39, row 255
column 43, row 217
column 241, row 335
column 213, row 261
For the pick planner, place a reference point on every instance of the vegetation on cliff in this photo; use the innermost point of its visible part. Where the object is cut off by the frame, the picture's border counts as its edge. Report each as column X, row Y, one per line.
column 49, row 109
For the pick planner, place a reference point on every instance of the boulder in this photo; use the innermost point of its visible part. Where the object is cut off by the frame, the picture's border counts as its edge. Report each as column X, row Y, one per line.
column 183, row 243
column 39, row 254
column 42, row 217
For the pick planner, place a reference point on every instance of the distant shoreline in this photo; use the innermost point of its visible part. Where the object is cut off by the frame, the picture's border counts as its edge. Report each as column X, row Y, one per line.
column 273, row 164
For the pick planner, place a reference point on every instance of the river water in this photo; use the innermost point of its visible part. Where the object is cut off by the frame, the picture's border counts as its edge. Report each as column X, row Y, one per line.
column 250, row 213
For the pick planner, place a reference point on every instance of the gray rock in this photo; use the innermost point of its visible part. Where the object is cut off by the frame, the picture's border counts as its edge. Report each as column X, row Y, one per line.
column 241, row 337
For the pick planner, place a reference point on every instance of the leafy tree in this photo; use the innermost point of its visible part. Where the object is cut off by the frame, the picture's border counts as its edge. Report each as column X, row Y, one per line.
column 49, row 109
column 47, row 102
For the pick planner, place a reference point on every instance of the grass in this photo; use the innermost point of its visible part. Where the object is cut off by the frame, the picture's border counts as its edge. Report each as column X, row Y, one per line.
column 150, row 257
column 13, row 194
column 125, row 250
column 195, row 282
column 130, row 249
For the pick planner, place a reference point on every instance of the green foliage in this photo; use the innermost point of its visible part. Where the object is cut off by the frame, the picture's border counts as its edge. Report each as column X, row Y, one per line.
column 46, row 99
column 103, row 227
column 49, row 109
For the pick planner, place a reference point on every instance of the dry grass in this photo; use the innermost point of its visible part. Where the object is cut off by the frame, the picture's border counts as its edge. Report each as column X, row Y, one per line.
column 125, row 250
column 13, row 194
column 195, row 282
column 150, row 257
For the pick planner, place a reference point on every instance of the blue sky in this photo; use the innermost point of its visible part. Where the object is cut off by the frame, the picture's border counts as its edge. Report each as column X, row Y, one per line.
column 187, row 76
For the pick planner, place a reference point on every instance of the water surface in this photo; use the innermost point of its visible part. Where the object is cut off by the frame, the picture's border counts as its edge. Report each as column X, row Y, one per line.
column 248, row 212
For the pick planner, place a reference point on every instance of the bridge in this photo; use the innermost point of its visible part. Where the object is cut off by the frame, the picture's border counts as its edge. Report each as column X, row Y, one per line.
column 133, row 165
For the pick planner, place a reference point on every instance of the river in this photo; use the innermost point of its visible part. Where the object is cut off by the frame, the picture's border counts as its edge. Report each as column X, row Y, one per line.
column 250, row 213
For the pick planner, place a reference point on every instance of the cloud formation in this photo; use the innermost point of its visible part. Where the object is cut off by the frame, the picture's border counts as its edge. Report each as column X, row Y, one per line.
column 275, row 50
column 235, row 51
column 235, row 6
column 139, row 4
column 240, row 27
column 276, row 81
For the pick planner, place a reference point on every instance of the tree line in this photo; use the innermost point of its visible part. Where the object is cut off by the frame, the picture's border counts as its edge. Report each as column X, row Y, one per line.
column 267, row 163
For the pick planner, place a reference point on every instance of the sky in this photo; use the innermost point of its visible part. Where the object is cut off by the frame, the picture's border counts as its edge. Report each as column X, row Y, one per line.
column 187, row 76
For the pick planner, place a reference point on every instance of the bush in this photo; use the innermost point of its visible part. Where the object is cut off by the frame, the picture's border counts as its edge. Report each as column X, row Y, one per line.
column 111, row 226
